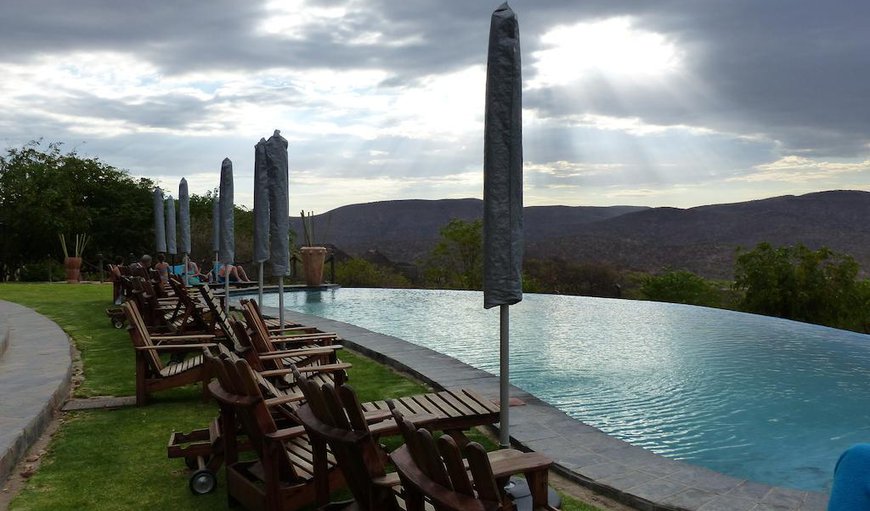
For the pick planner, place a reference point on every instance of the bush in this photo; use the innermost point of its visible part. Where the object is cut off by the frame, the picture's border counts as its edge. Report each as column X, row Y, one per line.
column 680, row 287
column 361, row 273
column 39, row 271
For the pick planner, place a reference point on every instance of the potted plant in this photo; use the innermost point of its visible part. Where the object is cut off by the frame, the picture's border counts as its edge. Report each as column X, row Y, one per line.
column 312, row 256
column 73, row 264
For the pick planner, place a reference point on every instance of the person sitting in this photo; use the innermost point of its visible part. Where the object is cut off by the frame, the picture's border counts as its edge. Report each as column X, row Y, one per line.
column 140, row 268
column 236, row 273
column 192, row 274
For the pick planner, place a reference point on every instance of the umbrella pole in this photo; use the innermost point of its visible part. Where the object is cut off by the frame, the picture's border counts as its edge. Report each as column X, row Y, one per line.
column 186, row 270
column 504, row 377
column 281, row 304
column 260, row 280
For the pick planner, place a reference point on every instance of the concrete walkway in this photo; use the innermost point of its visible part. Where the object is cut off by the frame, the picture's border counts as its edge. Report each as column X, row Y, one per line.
column 35, row 375
column 582, row 453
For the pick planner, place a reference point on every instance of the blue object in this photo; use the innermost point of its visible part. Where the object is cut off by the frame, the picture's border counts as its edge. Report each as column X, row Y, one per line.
column 851, row 490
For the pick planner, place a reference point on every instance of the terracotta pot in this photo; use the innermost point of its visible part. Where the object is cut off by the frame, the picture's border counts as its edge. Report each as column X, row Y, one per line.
column 312, row 265
column 73, row 267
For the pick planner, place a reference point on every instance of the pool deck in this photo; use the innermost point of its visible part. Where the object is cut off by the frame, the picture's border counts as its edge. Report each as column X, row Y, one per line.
column 35, row 378
column 582, row 453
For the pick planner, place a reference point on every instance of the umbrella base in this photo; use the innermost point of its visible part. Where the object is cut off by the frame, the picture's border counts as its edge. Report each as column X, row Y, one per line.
column 518, row 490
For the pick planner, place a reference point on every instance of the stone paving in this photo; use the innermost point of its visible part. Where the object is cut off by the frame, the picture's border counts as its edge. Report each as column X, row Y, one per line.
column 582, row 453
column 35, row 375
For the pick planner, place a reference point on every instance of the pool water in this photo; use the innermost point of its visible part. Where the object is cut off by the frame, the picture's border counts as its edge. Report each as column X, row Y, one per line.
column 766, row 399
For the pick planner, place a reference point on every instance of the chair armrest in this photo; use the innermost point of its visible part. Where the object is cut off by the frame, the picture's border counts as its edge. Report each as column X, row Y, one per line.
column 281, row 400
column 181, row 337
column 507, row 462
column 286, row 433
column 390, row 480
column 176, row 347
column 298, row 352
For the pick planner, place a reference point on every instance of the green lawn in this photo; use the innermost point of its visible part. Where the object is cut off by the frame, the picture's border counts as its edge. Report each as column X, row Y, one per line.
column 116, row 460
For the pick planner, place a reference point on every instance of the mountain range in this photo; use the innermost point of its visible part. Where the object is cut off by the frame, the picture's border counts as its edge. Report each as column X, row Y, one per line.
column 702, row 239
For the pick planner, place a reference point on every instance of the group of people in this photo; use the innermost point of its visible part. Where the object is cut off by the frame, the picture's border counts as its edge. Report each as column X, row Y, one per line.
column 190, row 270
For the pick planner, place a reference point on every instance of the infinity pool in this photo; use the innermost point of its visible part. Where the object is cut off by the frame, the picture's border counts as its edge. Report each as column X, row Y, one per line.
column 770, row 400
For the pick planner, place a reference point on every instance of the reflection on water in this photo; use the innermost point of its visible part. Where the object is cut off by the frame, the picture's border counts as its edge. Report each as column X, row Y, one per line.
column 770, row 400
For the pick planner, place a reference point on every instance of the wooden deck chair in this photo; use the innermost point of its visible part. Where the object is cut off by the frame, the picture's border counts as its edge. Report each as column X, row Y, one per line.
column 332, row 417
column 273, row 324
column 308, row 352
column 283, row 475
column 299, row 334
column 152, row 374
column 192, row 315
column 438, row 474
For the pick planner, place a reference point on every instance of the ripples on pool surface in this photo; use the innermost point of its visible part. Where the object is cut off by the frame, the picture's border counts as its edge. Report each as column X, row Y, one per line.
column 766, row 399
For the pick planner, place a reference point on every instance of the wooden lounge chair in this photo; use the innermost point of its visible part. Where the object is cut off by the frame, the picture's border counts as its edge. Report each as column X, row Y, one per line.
column 335, row 417
column 283, row 475
column 151, row 373
column 437, row 474
column 299, row 334
column 309, row 352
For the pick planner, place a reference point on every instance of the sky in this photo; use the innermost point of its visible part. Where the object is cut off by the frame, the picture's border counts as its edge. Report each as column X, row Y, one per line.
column 653, row 103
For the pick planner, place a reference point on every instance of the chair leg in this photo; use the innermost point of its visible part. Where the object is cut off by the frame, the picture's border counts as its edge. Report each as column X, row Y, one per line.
column 141, row 381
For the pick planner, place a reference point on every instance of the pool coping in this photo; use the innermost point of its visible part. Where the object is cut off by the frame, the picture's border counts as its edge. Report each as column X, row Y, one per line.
column 582, row 453
column 35, row 378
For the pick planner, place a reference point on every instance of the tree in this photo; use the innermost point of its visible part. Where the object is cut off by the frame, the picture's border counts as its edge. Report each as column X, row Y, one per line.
column 456, row 262
column 44, row 192
column 680, row 286
column 357, row 272
column 815, row 286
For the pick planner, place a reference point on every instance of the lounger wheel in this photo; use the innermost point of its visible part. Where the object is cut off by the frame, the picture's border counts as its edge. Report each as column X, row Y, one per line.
column 118, row 323
column 202, row 482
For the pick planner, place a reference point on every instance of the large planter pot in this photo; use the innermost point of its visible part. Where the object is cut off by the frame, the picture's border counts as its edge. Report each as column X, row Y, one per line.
column 73, row 267
column 312, row 265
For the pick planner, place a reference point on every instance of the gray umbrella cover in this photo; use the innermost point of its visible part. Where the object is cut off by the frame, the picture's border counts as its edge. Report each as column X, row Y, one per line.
column 184, row 216
column 159, row 227
column 261, row 203
column 227, row 236
column 171, row 235
column 216, row 224
column 503, row 164
column 279, row 203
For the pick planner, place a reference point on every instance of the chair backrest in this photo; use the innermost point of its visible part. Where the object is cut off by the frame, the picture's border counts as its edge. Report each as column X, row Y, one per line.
column 435, row 470
column 221, row 319
column 334, row 416
column 259, row 333
column 139, row 334
column 237, row 388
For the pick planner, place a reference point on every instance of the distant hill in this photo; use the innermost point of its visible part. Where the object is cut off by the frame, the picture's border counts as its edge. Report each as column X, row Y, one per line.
column 701, row 239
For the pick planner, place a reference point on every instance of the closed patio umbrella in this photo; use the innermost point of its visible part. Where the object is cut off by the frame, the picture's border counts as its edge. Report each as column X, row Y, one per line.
column 159, row 226
column 279, row 212
column 261, row 211
column 227, row 225
column 184, row 226
column 171, row 235
column 503, row 189
column 216, row 232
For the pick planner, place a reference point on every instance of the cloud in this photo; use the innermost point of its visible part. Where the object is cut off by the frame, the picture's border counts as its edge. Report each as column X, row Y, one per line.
column 799, row 169
column 385, row 97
